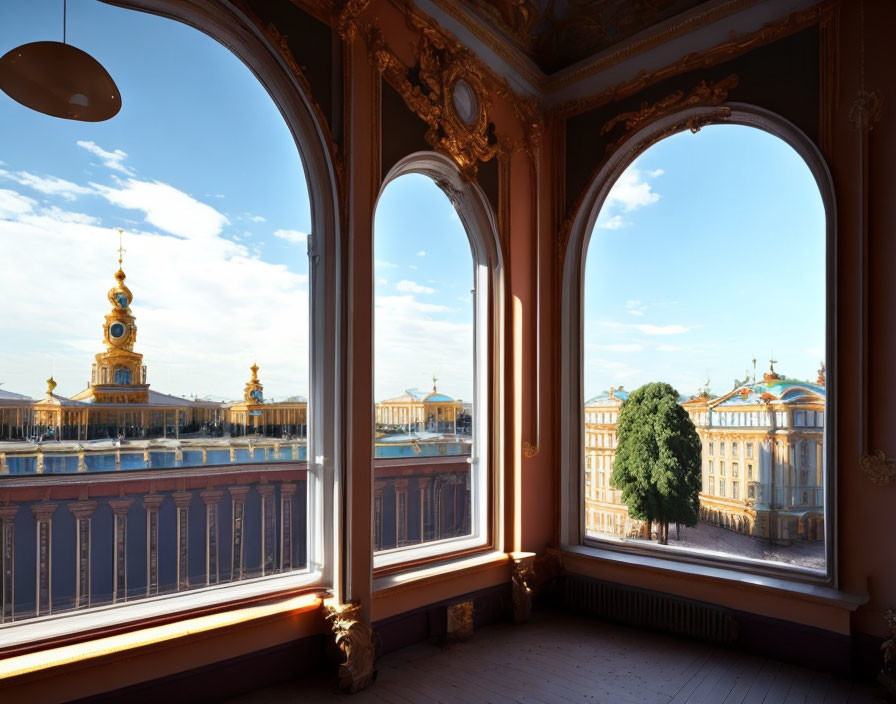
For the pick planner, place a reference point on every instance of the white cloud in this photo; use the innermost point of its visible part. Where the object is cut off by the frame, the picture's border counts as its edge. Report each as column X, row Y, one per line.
column 407, row 332
column 655, row 173
column 670, row 348
column 294, row 236
column 257, row 218
column 421, row 253
column 384, row 264
column 613, row 223
column 51, row 185
column 413, row 266
column 406, row 286
column 646, row 328
column 111, row 160
column 661, row 329
column 205, row 307
column 631, row 191
column 167, row 208
column 56, row 213
column 635, row 308
column 13, row 203
column 622, row 347
column 382, row 281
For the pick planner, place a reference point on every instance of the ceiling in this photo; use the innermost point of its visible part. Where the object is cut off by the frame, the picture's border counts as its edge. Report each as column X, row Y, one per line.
column 558, row 33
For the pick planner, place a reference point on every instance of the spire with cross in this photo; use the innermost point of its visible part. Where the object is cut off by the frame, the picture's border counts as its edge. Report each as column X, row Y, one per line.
column 434, row 380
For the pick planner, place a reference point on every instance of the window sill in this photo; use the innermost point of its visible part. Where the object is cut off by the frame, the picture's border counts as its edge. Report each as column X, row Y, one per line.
column 44, row 634
column 440, row 571
column 125, row 643
column 820, row 594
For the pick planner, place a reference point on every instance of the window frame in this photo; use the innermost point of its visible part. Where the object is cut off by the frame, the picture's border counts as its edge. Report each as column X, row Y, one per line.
column 327, row 356
column 480, row 225
column 572, row 525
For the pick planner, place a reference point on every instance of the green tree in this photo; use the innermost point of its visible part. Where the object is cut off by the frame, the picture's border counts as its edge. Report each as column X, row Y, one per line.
column 657, row 466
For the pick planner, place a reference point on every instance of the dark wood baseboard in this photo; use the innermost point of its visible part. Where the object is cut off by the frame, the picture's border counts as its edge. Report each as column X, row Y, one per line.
column 227, row 678
column 490, row 605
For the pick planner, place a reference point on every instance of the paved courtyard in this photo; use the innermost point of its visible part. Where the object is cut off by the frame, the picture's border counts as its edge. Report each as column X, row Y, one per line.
column 704, row 536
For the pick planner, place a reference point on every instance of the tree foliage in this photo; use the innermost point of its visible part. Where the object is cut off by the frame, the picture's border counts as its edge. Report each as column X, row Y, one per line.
column 657, row 465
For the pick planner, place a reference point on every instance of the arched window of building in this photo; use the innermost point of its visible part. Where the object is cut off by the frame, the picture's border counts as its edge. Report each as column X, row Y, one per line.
column 691, row 258
column 218, row 174
column 435, row 267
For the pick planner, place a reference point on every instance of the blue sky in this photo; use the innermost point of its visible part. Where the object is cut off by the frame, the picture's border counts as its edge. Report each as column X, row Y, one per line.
column 423, row 270
column 709, row 251
column 201, row 172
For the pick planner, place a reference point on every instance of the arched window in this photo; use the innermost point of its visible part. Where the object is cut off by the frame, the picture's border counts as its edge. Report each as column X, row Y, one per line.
column 702, row 255
column 220, row 212
column 436, row 265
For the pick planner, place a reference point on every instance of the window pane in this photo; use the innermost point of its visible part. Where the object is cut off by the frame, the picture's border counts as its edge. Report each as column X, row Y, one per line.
column 173, row 355
column 707, row 256
column 424, row 367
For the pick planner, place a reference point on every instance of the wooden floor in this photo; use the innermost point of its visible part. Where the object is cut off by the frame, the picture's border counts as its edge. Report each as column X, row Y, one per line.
column 558, row 659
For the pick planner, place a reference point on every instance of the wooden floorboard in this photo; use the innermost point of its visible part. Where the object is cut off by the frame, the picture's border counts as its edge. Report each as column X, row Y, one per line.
column 562, row 659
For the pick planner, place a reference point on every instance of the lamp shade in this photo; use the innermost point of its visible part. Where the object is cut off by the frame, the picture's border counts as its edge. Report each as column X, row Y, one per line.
column 60, row 80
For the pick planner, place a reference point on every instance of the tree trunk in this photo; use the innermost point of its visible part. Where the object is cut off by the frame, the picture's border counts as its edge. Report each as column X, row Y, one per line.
column 678, row 531
column 662, row 533
column 649, row 527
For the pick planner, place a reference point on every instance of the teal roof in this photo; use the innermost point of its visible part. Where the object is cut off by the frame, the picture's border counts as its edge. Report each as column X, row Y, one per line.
column 604, row 396
column 438, row 398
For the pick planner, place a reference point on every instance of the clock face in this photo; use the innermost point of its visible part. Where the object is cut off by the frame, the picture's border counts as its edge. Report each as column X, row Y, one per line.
column 116, row 330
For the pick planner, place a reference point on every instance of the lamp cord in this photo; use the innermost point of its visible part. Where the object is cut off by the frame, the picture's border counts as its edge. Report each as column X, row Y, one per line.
column 64, row 13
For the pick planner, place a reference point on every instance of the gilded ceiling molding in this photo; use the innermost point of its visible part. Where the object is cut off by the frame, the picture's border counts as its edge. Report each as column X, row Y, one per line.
column 451, row 91
column 880, row 469
column 704, row 93
column 703, row 59
column 354, row 638
column 346, row 20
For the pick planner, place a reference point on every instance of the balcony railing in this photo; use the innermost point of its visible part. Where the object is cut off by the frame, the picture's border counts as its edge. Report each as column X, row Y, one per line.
column 70, row 541
column 73, row 541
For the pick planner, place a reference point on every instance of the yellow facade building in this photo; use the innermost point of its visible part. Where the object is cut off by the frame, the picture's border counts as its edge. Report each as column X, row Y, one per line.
column 119, row 403
column 762, row 460
column 416, row 411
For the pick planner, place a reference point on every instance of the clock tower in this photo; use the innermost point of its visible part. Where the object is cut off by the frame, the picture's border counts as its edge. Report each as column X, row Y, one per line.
column 118, row 374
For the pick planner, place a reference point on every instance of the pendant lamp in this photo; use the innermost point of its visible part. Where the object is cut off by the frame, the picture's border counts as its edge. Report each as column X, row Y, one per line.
column 59, row 79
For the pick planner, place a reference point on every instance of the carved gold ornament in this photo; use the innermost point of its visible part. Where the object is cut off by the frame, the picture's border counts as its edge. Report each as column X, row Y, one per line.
column 521, row 581
column 878, row 467
column 460, row 621
column 705, row 93
column 354, row 638
column 459, row 125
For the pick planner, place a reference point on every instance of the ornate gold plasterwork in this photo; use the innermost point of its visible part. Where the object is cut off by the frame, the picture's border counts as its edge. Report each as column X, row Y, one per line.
column 879, row 468
column 445, row 81
column 428, row 88
column 521, row 580
column 460, row 621
column 530, row 449
column 354, row 638
column 704, row 93
column 866, row 109
column 346, row 18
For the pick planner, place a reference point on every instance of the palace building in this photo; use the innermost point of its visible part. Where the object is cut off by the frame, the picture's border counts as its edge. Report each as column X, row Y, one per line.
column 762, row 460
column 416, row 411
column 119, row 403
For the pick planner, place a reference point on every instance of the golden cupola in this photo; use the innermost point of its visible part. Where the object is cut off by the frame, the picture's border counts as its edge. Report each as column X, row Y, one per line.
column 118, row 374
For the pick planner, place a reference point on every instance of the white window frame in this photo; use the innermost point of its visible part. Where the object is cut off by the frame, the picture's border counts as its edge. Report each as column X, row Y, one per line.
column 326, row 350
column 572, row 527
column 480, row 224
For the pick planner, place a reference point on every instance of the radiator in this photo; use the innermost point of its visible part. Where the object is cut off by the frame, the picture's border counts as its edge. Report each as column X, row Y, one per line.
column 648, row 609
